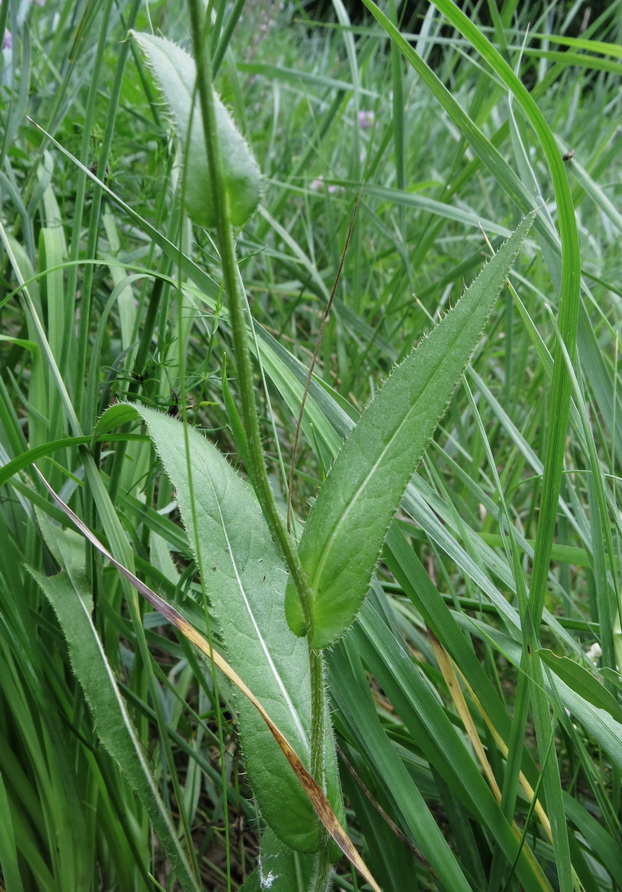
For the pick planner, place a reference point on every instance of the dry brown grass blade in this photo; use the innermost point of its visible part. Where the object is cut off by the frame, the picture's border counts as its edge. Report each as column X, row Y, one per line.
column 315, row 793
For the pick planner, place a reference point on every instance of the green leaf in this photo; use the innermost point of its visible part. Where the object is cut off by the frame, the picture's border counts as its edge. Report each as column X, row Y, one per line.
column 114, row 725
column 67, row 547
column 115, row 416
column 175, row 73
column 8, row 849
column 597, row 721
column 582, row 683
column 418, row 705
column 280, row 869
column 342, row 540
column 244, row 580
column 354, row 701
column 607, row 848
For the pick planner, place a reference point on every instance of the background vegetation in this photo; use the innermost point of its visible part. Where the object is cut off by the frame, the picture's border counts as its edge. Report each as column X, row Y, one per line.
column 478, row 671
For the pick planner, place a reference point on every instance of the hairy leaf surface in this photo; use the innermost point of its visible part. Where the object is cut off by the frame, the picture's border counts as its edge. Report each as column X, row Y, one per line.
column 244, row 580
column 342, row 540
column 175, row 72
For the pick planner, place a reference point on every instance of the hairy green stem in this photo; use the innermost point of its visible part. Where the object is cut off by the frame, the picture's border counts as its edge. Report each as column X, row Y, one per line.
column 250, row 419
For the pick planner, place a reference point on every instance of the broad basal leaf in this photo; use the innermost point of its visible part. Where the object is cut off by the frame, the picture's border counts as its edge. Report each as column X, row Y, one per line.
column 343, row 537
column 244, row 579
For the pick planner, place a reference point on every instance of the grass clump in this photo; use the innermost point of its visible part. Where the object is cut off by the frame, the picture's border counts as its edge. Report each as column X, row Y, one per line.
column 475, row 699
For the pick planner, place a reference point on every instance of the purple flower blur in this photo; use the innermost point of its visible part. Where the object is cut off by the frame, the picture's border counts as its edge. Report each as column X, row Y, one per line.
column 7, row 40
column 366, row 119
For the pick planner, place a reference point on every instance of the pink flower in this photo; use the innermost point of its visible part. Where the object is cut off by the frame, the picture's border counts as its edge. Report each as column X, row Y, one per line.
column 318, row 185
column 366, row 119
column 7, row 40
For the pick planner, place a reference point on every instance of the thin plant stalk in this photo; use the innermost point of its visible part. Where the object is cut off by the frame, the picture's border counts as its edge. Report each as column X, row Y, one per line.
column 241, row 347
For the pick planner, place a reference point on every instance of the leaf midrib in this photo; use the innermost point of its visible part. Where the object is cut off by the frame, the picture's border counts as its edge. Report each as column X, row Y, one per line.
column 259, row 635
column 325, row 553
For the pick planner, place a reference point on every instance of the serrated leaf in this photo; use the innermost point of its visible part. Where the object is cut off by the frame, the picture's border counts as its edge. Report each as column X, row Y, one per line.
column 115, row 416
column 317, row 796
column 348, row 523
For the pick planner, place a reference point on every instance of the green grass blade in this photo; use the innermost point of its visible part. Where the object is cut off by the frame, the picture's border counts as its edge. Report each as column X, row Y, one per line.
column 8, row 851
column 354, row 702
column 115, row 727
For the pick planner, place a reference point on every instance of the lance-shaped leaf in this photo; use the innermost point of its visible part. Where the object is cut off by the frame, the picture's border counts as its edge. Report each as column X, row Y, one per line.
column 244, row 579
column 175, row 73
column 348, row 523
